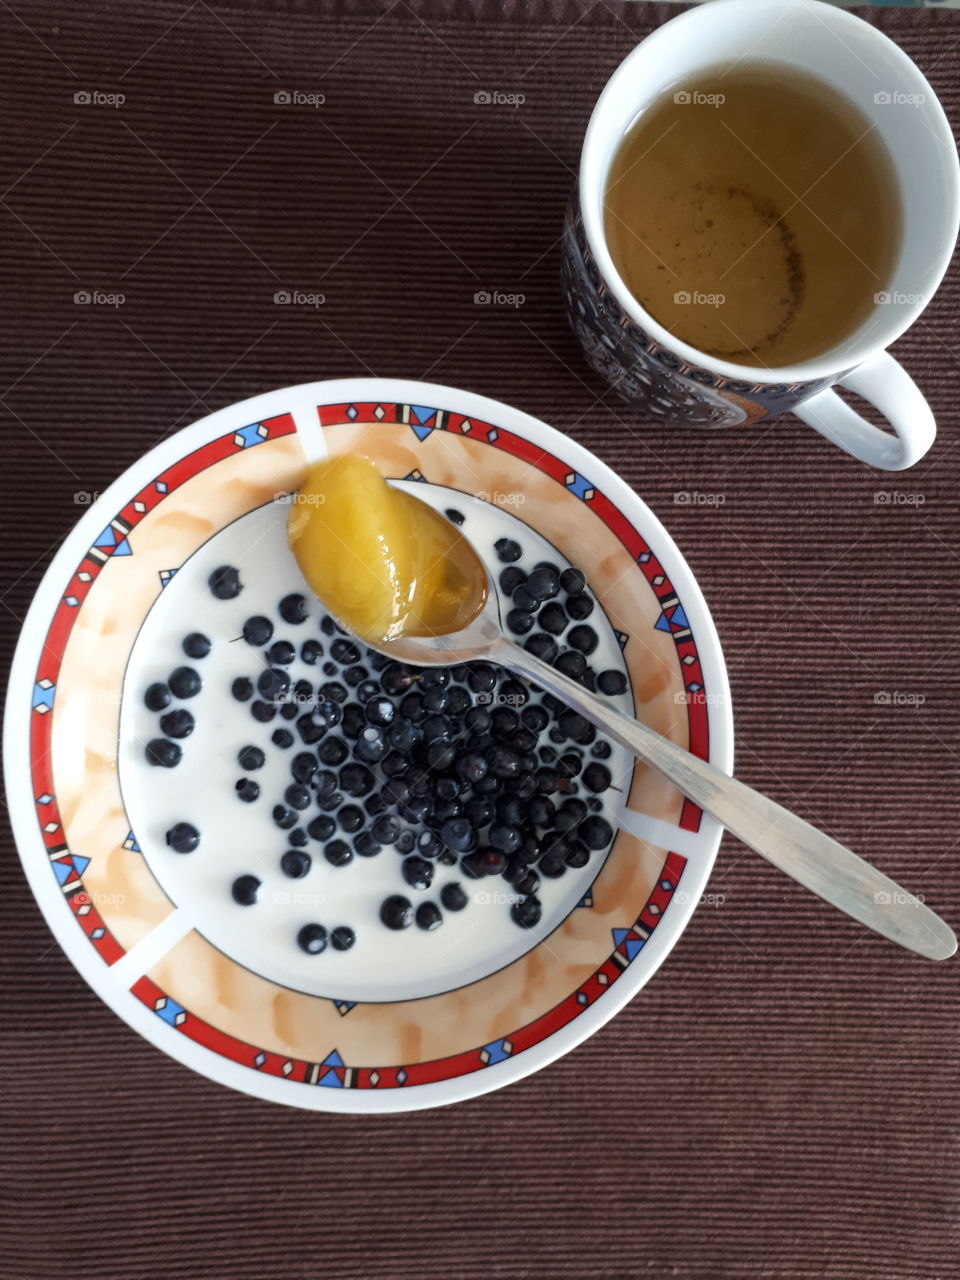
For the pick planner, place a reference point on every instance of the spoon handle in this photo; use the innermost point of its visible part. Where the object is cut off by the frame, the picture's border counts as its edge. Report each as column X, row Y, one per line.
column 809, row 856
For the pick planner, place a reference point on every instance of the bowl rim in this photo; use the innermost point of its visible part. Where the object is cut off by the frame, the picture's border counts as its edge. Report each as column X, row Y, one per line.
column 301, row 401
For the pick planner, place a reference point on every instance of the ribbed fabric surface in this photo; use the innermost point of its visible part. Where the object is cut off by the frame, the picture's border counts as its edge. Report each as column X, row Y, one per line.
column 781, row 1101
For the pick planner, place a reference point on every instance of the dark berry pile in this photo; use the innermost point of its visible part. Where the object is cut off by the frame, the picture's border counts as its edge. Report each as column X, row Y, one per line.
column 459, row 771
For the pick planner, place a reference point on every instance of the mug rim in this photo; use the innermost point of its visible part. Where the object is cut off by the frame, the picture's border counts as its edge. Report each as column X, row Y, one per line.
column 820, row 367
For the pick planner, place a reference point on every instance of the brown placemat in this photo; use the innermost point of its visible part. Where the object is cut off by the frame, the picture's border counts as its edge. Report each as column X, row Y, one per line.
column 782, row 1100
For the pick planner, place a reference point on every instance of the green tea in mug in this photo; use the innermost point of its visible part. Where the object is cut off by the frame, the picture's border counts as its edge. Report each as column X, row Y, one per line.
column 755, row 214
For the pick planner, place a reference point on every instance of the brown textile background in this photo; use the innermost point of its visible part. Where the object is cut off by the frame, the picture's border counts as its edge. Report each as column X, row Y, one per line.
column 782, row 1100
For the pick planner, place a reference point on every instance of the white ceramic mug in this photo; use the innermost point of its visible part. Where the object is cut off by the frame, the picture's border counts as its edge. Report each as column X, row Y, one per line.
column 672, row 381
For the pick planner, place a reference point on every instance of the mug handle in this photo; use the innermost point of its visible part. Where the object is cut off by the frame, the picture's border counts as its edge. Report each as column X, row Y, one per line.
column 891, row 390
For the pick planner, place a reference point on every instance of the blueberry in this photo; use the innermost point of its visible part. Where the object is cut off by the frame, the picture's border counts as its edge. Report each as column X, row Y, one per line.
column 596, row 832
column 429, row 916
column 441, row 756
column 343, row 938
column 225, row 582
column 527, row 882
column 417, row 872
column 571, row 663
column 459, row 835
column 272, row 684
column 552, row 864
column 251, row 758
column 375, row 804
column 244, row 890
column 504, row 762
column 544, row 582
column 379, row 711
column 504, row 837
column 453, row 896
column 482, row 677
column 281, row 653
column 293, row 608
column 416, row 809
column 520, row 621
column 264, row 712
column 507, row 550
column 196, row 645
column 366, row 845
column 312, row 938
column 396, row 912
column 612, row 682
column 454, row 516
column 540, row 811
column 601, row 750
column 428, row 845
column 351, row 818
column 353, row 720
column 160, row 751
column 534, row 718
column 435, row 700
column 242, row 689
column 345, row 652
column 298, row 837
column 526, row 913
column 183, row 837
column 177, row 723
column 332, row 751
column 403, row 736
column 395, row 678
column 247, row 790
column 338, row 853
column 504, row 722
column 580, row 607
column 356, row 676
column 327, row 625
column 573, row 582
column 569, row 764
column 303, row 766
column 157, row 696
column 325, row 783
column 184, row 682
column 571, row 813
column 282, row 738
column 511, row 578
column 547, row 781
column 411, row 706
column 311, row 650
column 552, row 618
column 492, row 861
column 434, row 678
column 596, row 777
column 333, row 691
column 477, row 720
column 284, row 818
column 257, row 630
column 574, row 725
column 525, row 600
column 435, row 727
column 577, row 855
column 297, row 796
column 405, row 841
column 295, row 863
column 479, row 811
column 356, row 779
column 370, row 745
column 386, row 829
column 447, row 788
column 542, row 646
column 321, row 827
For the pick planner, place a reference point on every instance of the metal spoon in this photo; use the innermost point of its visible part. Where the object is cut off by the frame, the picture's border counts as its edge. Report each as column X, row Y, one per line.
column 810, row 857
